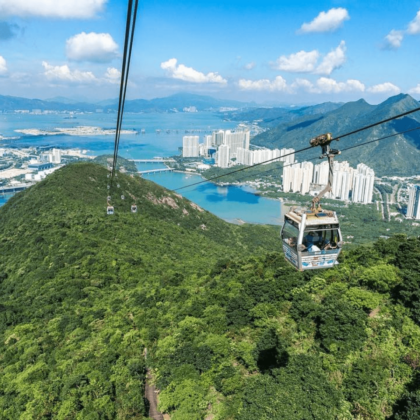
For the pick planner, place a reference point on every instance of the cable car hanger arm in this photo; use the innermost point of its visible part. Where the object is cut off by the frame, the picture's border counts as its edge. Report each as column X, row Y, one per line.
column 324, row 140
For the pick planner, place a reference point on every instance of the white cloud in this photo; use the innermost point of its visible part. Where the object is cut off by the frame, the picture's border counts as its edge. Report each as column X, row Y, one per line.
column 414, row 25
column 3, row 66
column 63, row 9
column 387, row 88
column 278, row 84
column 91, row 47
column 249, row 66
column 300, row 62
column 328, row 85
column 415, row 90
column 394, row 39
column 326, row 21
column 333, row 60
column 188, row 74
column 64, row 74
column 113, row 75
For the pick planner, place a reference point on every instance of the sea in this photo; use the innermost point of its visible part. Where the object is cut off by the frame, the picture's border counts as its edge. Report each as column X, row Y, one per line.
column 162, row 138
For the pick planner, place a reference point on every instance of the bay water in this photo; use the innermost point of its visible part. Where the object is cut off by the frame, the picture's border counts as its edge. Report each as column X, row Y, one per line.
column 232, row 203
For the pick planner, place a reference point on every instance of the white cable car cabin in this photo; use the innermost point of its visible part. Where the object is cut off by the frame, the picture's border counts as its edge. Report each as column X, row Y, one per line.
column 133, row 208
column 110, row 210
column 312, row 238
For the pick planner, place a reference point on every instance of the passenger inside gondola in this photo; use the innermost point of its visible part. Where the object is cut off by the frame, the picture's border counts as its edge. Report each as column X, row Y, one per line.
column 318, row 240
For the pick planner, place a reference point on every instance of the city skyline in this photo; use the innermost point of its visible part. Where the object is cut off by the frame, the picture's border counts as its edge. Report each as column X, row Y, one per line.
column 263, row 51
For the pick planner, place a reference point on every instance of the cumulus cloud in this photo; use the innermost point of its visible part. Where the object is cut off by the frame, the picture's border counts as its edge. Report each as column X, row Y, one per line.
column 328, row 85
column 394, row 39
column 278, row 84
column 63, row 9
column 91, row 47
column 188, row 74
column 307, row 61
column 3, row 66
column 387, row 88
column 415, row 90
column 414, row 25
column 326, row 21
column 64, row 74
column 300, row 62
column 113, row 75
column 333, row 60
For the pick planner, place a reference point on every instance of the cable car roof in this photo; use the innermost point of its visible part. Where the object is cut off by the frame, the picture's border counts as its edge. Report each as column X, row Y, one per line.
column 313, row 218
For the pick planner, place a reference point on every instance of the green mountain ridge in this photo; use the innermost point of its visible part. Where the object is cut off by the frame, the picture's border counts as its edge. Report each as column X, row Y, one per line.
column 399, row 156
column 232, row 331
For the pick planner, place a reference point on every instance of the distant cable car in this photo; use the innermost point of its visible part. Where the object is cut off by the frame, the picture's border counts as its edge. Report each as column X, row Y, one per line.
column 133, row 208
column 110, row 210
column 108, row 198
column 122, row 197
column 312, row 238
column 118, row 185
column 108, row 187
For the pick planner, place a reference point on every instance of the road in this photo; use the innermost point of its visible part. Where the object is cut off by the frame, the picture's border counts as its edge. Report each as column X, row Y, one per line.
column 151, row 394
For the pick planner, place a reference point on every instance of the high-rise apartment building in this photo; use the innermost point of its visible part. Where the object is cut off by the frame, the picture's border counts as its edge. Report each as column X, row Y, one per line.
column 413, row 209
column 252, row 157
column 190, row 146
column 363, row 181
column 223, row 156
column 298, row 177
column 218, row 138
column 56, row 156
column 235, row 140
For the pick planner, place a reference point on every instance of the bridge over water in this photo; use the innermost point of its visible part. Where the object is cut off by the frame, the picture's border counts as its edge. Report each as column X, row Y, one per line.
column 155, row 171
column 152, row 160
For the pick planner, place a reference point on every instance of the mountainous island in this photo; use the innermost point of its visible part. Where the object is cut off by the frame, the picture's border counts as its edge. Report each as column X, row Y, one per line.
column 174, row 103
column 396, row 156
column 211, row 312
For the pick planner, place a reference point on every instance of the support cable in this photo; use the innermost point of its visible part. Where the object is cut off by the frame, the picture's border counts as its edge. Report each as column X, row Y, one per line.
column 128, row 46
column 307, row 148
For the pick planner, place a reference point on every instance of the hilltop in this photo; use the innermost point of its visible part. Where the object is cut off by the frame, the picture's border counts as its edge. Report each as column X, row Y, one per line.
column 231, row 330
column 398, row 156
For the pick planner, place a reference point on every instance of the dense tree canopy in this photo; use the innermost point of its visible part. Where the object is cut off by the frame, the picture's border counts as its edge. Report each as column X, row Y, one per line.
column 223, row 323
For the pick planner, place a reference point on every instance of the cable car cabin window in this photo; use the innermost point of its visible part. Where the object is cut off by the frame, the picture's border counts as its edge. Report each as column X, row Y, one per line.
column 290, row 234
column 321, row 239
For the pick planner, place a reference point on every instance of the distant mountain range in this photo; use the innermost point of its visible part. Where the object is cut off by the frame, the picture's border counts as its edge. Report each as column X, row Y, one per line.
column 271, row 117
column 397, row 156
column 171, row 103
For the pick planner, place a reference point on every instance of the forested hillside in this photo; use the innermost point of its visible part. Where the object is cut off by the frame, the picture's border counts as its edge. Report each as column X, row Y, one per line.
column 231, row 330
column 397, row 156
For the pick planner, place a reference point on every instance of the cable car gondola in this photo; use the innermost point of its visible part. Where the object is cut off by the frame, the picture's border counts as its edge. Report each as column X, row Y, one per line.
column 312, row 238
column 109, row 210
column 133, row 208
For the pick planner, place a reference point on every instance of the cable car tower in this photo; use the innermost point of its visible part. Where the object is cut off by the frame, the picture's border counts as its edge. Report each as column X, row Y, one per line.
column 312, row 238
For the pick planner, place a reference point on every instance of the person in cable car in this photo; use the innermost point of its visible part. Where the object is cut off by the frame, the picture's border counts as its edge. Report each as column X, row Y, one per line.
column 312, row 237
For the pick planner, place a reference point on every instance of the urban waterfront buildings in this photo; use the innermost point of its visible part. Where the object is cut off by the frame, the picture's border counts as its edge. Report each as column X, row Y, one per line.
column 413, row 209
column 190, row 146
column 223, row 154
column 349, row 183
column 252, row 157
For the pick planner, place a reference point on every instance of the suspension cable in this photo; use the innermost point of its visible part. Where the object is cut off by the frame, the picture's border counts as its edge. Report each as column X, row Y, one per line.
column 128, row 46
column 310, row 147
column 314, row 158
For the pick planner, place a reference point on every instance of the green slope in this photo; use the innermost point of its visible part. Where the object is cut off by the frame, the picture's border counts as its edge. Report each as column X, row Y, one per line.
column 231, row 330
column 397, row 156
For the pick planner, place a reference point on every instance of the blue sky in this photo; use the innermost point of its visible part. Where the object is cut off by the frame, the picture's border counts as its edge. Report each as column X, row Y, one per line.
column 267, row 51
